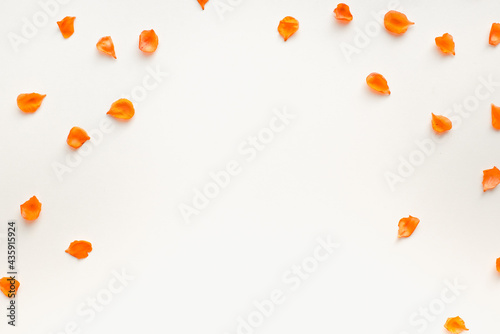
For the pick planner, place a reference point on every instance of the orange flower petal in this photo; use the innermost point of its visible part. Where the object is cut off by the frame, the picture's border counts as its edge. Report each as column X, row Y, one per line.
column 445, row 44
column 407, row 226
column 148, row 41
column 106, row 46
column 343, row 13
column 30, row 210
column 396, row 22
column 202, row 3
column 287, row 27
column 66, row 26
column 122, row 109
column 498, row 264
column 441, row 124
column 455, row 325
column 491, row 178
column 29, row 103
column 495, row 34
column 7, row 285
column 77, row 137
column 79, row 249
column 378, row 83
column 495, row 116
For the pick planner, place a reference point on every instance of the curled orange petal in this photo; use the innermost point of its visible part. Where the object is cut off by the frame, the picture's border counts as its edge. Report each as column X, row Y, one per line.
column 343, row 13
column 29, row 103
column 202, row 3
column 445, row 44
column 495, row 116
column 287, row 27
column 122, row 109
column 30, row 210
column 491, row 178
column 67, row 26
column 77, row 137
column 9, row 286
column 106, row 46
column 455, row 325
column 148, row 41
column 407, row 226
column 495, row 34
column 79, row 249
column 498, row 264
column 441, row 124
column 396, row 22
column 378, row 83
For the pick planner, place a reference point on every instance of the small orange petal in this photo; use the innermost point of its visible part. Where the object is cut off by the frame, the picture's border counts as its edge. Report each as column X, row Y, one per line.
column 287, row 27
column 495, row 34
column 29, row 103
column 407, row 226
column 9, row 286
column 491, row 178
column 378, row 83
column 441, row 124
column 148, row 41
column 455, row 325
column 77, row 137
column 343, row 13
column 202, row 3
column 122, row 109
column 495, row 116
column 30, row 210
column 79, row 249
column 396, row 22
column 66, row 26
column 106, row 46
column 498, row 264
column 445, row 44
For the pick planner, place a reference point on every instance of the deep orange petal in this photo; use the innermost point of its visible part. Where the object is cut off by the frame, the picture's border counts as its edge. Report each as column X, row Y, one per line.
column 495, row 116
column 6, row 286
column 495, row 34
column 396, row 22
column 455, row 325
column 378, row 83
column 498, row 264
column 106, row 46
column 30, row 210
column 122, row 109
column 67, row 26
column 441, row 124
column 445, row 44
column 202, row 3
column 343, row 13
column 29, row 103
column 491, row 178
column 79, row 249
column 287, row 27
column 407, row 226
column 148, row 41
column 77, row 137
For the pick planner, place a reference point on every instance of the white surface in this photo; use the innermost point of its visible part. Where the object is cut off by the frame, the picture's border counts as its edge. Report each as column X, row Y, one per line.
column 323, row 175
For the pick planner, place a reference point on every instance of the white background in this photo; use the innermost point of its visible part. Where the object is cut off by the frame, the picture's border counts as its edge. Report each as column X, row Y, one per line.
column 322, row 176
